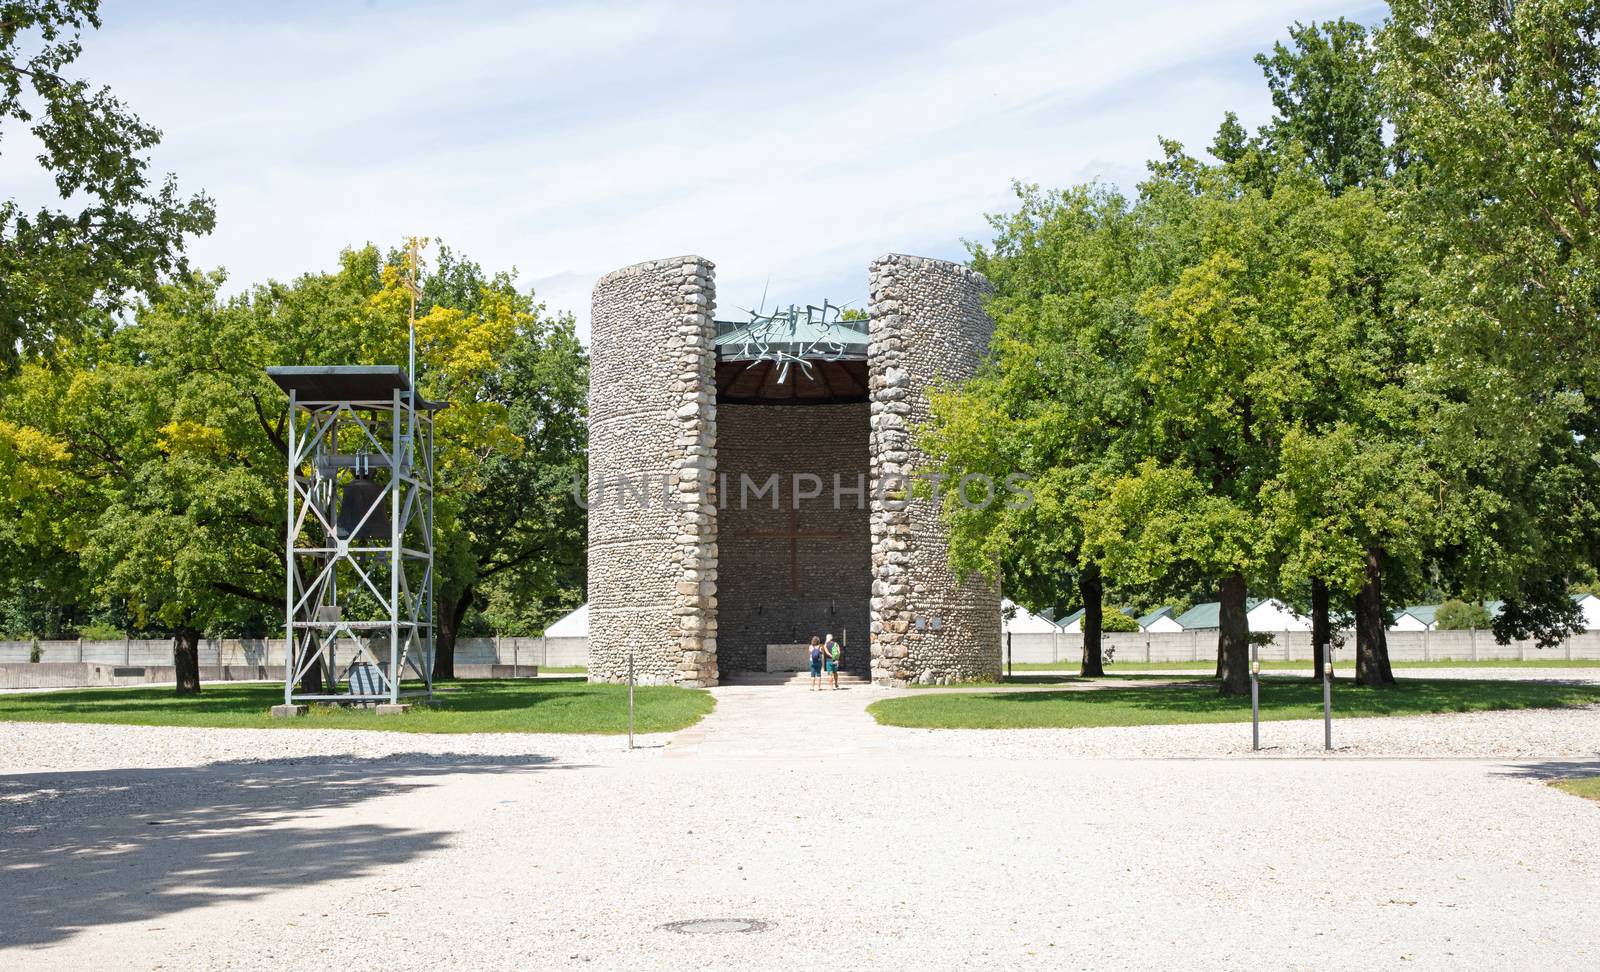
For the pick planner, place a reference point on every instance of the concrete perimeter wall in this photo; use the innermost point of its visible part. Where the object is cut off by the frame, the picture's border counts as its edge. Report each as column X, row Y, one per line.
column 64, row 664
column 31, row 675
column 269, row 651
column 155, row 651
column 1129, row 648
column 232, row 659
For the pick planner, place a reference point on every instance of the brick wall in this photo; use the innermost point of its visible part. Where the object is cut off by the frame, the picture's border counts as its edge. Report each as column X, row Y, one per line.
column 760, row 599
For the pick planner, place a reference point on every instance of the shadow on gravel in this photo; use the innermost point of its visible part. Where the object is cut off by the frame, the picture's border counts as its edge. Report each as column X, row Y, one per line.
column 1551, row 769
column 82, row 849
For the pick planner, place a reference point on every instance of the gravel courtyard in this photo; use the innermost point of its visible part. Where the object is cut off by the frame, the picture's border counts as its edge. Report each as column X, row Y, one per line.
column 854, row 845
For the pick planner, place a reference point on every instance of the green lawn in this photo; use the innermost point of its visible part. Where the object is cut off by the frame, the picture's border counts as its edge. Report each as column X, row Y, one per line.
column 520, row 705
column 1199, row 701
column 1342, row 665
column 563, row 669
column 1056, row 677
column 1587, row 787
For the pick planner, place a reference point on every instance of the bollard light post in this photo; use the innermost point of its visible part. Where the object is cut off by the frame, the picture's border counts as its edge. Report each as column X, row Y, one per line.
column 1255, row 699
column 630, row 701
column 1327, row 699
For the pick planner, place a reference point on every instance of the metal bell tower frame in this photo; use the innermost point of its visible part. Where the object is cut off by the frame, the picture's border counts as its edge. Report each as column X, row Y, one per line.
column 360, row 577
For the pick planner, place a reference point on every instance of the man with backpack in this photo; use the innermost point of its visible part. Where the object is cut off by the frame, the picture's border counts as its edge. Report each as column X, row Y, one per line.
column 832, row 654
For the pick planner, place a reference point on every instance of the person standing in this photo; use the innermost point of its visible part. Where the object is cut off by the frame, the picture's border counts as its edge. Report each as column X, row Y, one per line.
column 816, row 663
column 832, row 654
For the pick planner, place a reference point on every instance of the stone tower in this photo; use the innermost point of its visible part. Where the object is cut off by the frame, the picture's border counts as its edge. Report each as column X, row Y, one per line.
column 707, row 457
column 928, row 325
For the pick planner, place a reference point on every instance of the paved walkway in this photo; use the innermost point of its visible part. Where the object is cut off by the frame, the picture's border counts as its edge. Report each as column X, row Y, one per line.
column 787, row 722
column 792, row 721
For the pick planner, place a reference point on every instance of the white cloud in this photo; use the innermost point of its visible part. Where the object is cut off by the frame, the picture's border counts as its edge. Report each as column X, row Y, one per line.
column 789, row 143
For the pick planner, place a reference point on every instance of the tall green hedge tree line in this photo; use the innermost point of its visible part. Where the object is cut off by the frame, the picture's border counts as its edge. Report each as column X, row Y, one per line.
column 1328, row 366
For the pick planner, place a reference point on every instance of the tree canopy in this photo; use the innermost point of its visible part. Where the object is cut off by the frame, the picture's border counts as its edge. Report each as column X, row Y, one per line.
column 114, row 229
column 152, row 460
column 1314, row 367
column 1498, row 106
column 1056, row 401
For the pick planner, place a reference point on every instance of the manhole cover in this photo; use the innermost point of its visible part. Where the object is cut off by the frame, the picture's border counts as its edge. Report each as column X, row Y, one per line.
column 715, row 926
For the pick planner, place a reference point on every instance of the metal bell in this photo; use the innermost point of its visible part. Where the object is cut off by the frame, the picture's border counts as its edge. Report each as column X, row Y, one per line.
column 357, row 497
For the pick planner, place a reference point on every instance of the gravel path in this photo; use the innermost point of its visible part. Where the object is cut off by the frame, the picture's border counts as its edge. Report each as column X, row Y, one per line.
column 38, row 746
column 856, row 845
column 1528, row 734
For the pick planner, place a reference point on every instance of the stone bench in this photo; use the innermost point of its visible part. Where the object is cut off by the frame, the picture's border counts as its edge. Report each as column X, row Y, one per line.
column 788, row 658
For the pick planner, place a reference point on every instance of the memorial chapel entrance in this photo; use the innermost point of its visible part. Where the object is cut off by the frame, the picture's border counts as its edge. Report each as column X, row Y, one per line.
column 793, row 517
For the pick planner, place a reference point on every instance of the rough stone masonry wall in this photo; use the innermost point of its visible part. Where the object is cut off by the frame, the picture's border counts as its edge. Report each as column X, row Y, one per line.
column 758, row 604
column 928, row 324
column 652, row 418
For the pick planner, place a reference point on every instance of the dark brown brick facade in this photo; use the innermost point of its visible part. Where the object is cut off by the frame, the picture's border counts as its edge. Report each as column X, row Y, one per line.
column 778, row 590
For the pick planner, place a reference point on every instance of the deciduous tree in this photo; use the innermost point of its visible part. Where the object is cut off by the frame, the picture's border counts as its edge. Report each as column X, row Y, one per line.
column 1056, row 402
column 114, row 229
column 154, row 458
column 1499, row 106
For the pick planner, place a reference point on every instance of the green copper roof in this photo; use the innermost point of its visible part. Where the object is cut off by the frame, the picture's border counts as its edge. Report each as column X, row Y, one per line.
column 807, row 339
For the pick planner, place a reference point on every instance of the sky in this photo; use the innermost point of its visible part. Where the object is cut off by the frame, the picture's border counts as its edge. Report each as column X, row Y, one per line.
column 790, row 143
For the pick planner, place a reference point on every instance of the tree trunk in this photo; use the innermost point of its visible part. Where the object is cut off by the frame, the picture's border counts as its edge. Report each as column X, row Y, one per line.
column 452, row 611
column 1372, row 646
column 315, row 681
column 1233, row 637
column 1321, row 628
column 1092, row 589
column 186, row 659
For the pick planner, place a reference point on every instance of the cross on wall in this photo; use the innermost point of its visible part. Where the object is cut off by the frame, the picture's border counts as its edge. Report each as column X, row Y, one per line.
column 794, row 535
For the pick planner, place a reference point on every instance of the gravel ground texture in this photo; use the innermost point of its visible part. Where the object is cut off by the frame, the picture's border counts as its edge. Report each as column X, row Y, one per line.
column 1528, row 734
column 852, row 845
column 37, row 746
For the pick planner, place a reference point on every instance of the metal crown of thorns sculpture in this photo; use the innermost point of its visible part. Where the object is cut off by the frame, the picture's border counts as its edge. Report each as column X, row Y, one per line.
column 793, row 336
column 359, row 589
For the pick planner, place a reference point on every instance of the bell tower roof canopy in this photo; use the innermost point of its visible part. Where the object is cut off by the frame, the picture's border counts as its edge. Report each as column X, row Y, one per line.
column 346, row 383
